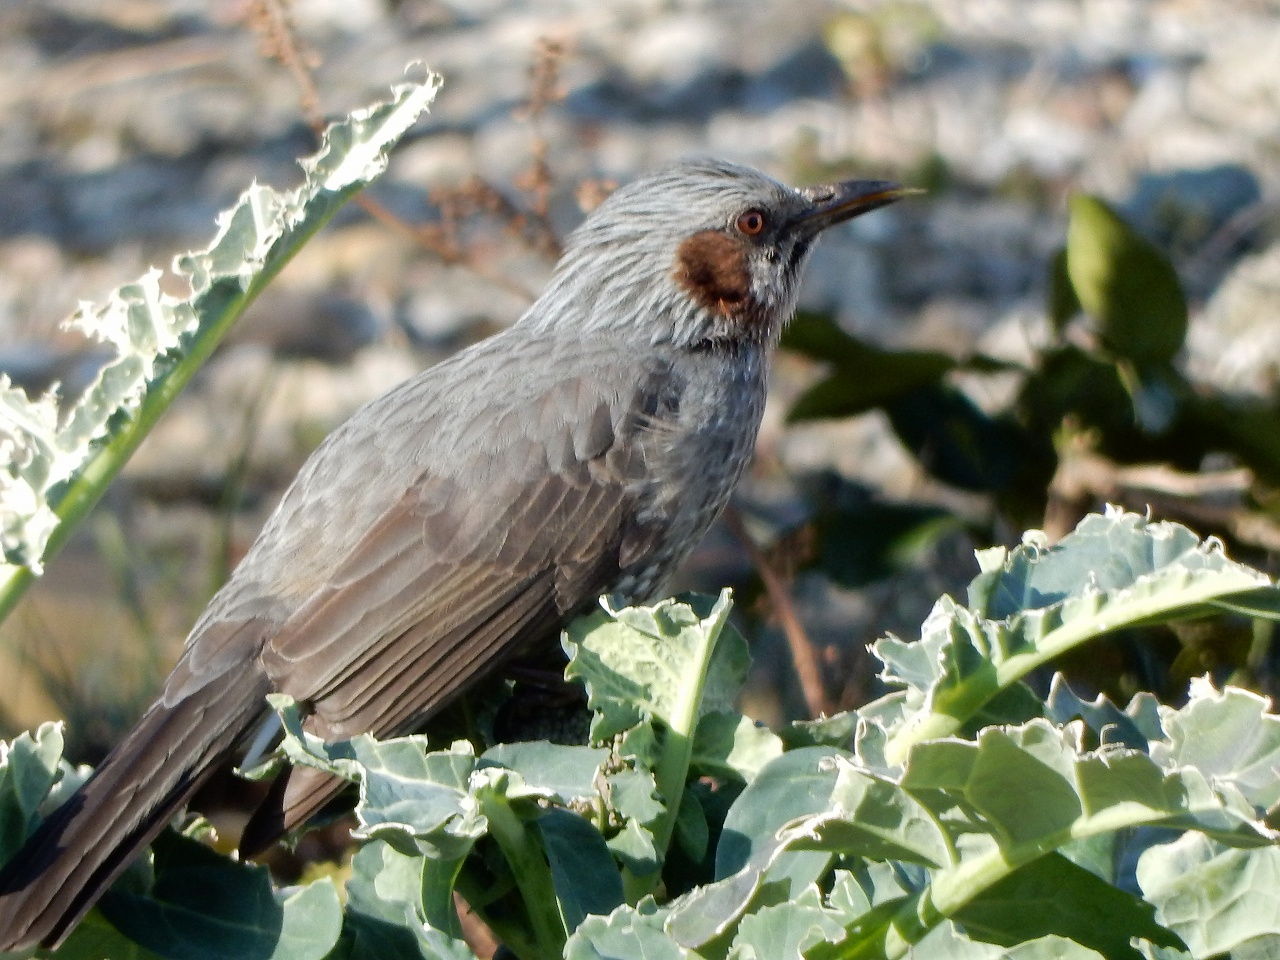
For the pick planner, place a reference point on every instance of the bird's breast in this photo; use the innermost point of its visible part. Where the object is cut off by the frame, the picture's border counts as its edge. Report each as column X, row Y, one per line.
column 696, row 443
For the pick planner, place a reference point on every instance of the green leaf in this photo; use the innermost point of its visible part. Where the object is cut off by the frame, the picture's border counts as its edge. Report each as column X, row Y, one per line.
column 95, row 939
column 635, row 849
column 752, row 845
column 423, row 796
column 1262, row 604
column 386, row 913
column 836, row 730
column 1247, row 428
column 627, row 933
column 785, row 929
column 206, row 906
column 632, row 793
column 865, row 377
column 1037, row 601
column 29, row 769
column 636, row 662
column 586, row 880
column 1078, row 793
column 796, row 784
column 1215, row 898
column 862, row 540
column 1063, row 303
column 1135, row 726
column 692, row 832
column 729, row 746
column 957, row 442
column 63, row 459
column 672, row 662
column 873, row 818
column 1021, row 792
column 1228, row 736
column 1125, row 283
column 947, row 942
column 1053, row 896
column 561, row 771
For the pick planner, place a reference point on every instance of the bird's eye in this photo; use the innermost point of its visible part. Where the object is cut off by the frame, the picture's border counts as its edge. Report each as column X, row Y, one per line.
column 751, row 223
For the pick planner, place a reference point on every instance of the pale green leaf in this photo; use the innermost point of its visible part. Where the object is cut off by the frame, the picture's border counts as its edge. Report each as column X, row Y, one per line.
column 29, row 769
column 586, row 880
column 1229, row 736
column 58, row 463
column 629, row 933
column 639, row 662
column 1036, row 602
column 785, row 929
column 562, row 771
column 873, row 818
column 731, row 746
column 1214, row 897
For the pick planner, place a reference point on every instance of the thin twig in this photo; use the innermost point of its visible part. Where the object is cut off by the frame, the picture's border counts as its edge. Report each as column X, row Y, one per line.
column 448, row 253
column 272, row 21
column 532, row 226
column 803, row 654
column 1214, row 499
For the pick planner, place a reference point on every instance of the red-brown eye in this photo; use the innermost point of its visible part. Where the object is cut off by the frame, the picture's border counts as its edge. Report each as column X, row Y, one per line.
column 751, row 223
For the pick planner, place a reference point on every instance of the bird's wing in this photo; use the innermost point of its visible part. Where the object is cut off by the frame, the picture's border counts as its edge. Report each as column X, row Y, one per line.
column 454, row 578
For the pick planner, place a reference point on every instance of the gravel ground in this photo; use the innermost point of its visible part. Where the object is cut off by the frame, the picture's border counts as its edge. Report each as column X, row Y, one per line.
column 125, row 127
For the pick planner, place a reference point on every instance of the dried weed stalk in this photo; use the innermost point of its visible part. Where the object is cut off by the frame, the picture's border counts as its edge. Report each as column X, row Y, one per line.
column 451, row 238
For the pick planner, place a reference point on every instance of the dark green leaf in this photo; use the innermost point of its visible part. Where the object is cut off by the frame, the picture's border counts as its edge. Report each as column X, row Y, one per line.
column 27, row 773
column 955, row 441
column 864, row 377
column 1125, row 283
column 1052, row 895
column 1263, row 603
column 1063, row 302
column 206, row 907
column 582, row 869
column 1249, row 430
column 692, row 832
column 95, row 939
column 870, row 540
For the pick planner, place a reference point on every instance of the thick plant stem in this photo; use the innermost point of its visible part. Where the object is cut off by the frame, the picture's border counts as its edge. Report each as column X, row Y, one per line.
column 533, row 878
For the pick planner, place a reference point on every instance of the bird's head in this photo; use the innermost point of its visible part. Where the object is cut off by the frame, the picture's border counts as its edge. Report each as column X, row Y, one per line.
column 700, row 253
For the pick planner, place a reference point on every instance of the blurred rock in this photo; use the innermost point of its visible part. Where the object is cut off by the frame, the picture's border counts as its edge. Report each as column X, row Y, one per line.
column 1235, row 344
column 1183, row 208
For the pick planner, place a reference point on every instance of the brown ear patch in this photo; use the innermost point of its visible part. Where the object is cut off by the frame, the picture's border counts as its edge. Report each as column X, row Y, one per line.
column 712, row 266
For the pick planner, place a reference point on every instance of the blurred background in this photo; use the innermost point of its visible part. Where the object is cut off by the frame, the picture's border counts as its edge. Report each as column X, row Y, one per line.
column 942, row 390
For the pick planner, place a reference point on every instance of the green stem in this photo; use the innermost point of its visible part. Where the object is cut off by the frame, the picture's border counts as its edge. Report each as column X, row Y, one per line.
column 954, row 887
column 219, row 307
column 533, row 878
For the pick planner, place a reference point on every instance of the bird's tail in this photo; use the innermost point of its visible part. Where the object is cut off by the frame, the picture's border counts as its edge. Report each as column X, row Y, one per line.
column 53, row 881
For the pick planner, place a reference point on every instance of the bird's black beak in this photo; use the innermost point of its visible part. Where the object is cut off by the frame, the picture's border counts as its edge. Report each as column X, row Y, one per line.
column 837, row 202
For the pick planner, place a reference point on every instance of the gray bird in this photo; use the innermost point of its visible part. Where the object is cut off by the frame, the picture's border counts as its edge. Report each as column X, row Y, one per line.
column 464, row 516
